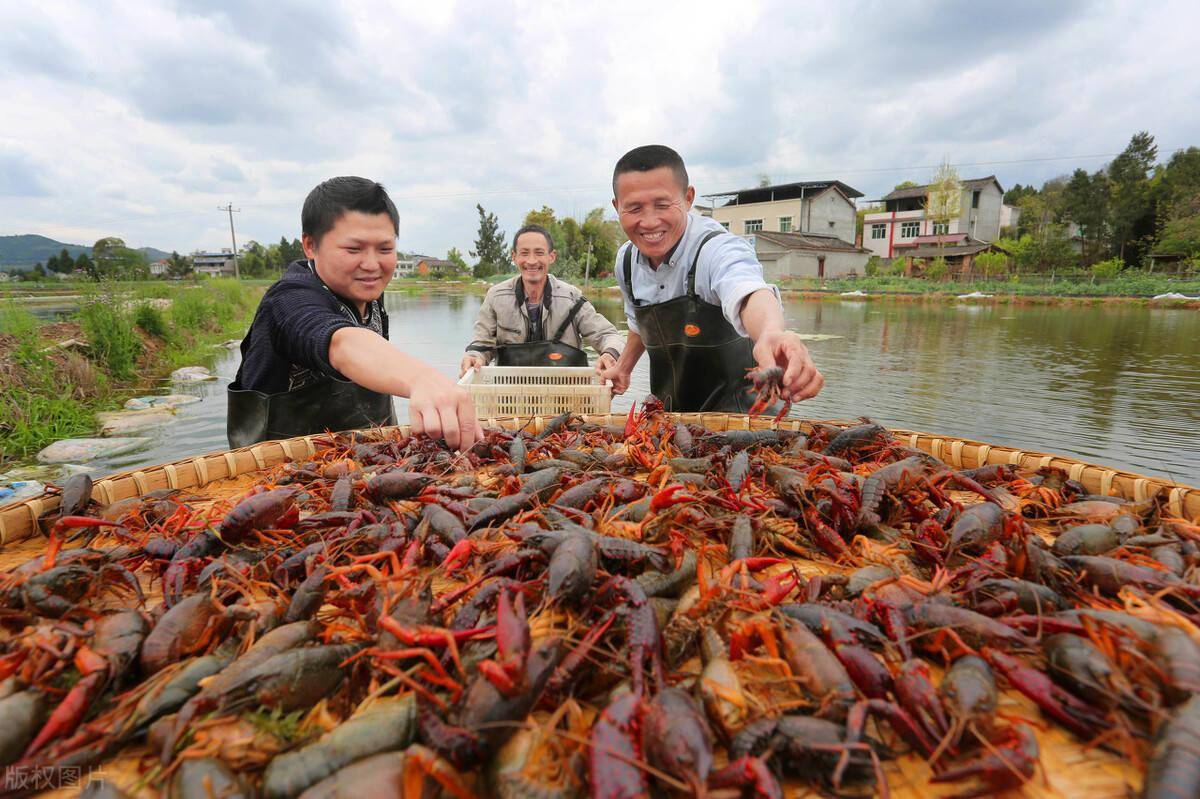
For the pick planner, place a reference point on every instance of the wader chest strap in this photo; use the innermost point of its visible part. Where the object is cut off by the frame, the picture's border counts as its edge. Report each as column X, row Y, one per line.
column 570, row 318
column 691, row 290
column 691, row 278
column 628, row 270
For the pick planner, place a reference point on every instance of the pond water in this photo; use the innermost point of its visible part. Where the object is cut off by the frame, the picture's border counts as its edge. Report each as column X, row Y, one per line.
column 1116, row 385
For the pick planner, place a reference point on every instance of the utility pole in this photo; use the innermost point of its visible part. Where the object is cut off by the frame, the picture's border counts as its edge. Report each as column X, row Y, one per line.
column 237, row 274
column 587, row 268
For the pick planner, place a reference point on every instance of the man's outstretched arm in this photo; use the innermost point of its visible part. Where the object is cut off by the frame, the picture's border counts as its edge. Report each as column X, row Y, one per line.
column 618, row 374
column 436, row 405
column 762, row 316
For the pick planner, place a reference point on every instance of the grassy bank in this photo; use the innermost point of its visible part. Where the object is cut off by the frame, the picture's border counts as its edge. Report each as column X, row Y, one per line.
column 1134, row 289
column 1133, row 286
column 126, row 338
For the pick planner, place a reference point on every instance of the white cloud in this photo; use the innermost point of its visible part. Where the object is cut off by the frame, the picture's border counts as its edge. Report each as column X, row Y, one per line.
column 138, row 120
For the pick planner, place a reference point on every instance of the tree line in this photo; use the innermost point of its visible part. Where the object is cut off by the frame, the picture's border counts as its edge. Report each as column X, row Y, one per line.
column 111, row 259
column 1127, row 210
column 257, row 260
column 587, row 245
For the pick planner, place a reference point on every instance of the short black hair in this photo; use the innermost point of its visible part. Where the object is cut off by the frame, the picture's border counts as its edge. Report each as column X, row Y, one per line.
column 326, row 204
column 651, row 156
column 533, row 229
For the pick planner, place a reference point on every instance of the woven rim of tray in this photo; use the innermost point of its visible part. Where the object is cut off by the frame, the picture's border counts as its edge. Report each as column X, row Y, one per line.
column 18, row 520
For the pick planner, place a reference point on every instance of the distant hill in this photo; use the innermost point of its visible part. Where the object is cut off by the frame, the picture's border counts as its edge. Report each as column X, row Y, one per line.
column 25, row 251
column 152, row 254
column 22, row 252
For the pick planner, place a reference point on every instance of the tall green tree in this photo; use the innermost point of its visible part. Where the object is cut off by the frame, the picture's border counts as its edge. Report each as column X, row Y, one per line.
column 61, row 263
column 1039, row 208
column 290, row 251
column 1182, row 236
column 584, row 246
column 178, row 265
column 603, row 237
column 944, row 200
column 1086, row 203
column 252, row 260
column 1017, row 192
column 455, row 257
column 1178, row 204
column 1180, row 182
column 545, row 217
column 86, row 265
column 490, row 249
column 1131, row 215
column 115, row 260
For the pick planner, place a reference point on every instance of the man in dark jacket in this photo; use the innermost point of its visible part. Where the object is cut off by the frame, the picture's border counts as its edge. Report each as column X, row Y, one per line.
column 317, row 357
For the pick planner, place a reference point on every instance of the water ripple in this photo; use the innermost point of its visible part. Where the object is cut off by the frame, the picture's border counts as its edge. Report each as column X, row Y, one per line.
column 1116, row 386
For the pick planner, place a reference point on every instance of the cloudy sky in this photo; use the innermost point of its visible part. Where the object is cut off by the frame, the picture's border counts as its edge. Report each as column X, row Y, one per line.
column 138, row 119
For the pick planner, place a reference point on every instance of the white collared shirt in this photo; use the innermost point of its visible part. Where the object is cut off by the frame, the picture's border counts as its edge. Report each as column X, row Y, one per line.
column 728, row 272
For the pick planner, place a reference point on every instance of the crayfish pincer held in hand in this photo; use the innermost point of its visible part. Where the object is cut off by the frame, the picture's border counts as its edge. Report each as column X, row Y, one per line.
column 767, row 387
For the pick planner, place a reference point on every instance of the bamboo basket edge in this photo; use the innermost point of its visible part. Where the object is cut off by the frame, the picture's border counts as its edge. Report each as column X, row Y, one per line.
column 18, row 520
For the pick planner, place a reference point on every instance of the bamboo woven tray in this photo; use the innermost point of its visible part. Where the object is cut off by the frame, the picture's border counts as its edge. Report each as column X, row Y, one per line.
column 1068, row 769
column 18, row 520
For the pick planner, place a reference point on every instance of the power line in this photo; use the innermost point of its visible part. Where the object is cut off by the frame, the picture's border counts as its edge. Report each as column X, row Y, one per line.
column 514, row 191
column 594, row 187
column 826, row 172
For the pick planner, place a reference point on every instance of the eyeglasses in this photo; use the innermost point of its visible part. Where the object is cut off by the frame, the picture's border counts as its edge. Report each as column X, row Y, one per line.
column 637, row 210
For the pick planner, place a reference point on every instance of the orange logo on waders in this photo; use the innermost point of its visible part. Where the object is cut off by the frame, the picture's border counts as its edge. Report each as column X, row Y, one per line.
column 555, row 356
column 691, row 330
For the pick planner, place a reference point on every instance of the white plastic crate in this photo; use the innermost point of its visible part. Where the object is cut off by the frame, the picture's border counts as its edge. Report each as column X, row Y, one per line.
column 501, row 391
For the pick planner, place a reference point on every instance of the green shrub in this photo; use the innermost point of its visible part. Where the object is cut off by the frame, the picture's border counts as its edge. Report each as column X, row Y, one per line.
column 227, row 292
column 30, row 421
column 937, row 269
column 1107, row 270
column 211, row 307
column 992, row 264
column 898, row 266
column 23, row 326
column 110, row 334
column 873, row 266
column 17, row 321
column 192, row 311
column 152, row 291
column 151, row 319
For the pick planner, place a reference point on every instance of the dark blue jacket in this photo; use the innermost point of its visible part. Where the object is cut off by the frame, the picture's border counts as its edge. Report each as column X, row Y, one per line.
column 289, row 338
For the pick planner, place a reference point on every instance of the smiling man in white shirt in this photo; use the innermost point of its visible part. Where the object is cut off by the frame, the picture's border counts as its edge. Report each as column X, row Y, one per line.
column 695, row 297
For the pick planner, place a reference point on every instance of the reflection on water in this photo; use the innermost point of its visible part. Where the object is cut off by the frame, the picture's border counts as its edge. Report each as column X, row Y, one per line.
column 51, row 311
column 1113, row 385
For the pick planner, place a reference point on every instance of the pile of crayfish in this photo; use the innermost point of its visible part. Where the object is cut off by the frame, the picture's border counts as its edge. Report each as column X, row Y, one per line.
column 608, row 611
